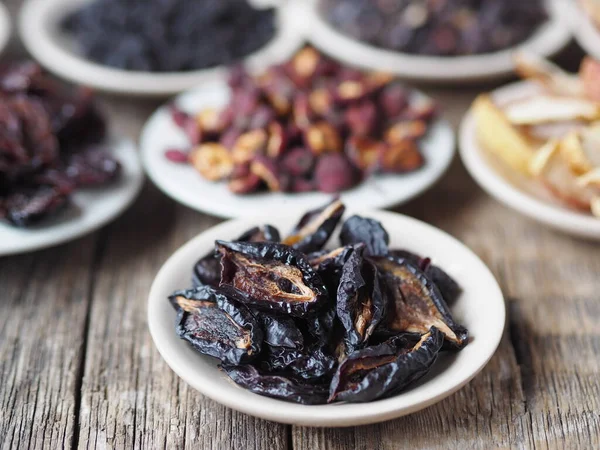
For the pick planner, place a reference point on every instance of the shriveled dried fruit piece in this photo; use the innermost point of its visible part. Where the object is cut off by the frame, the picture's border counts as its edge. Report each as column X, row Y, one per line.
column 216, row 324
column 207, row 271
column 277, row 386
column 548, row 74
column 249, row 145
column 321, row 101
column 360, row 303
column 499, row 137
column 361, row 119
column 298, row 162
column 404, row 156
column 540, row 109
column 386, row 369
column 277, row 142
column 334, row 173
column 27, row 208
column 405, row 130
column 393, row 100
column 212, row 160
column 280, row 331
column 368, row 231
column 244, row 184
column 274, row 277
column 364, row 152
column 414, row 302
column 210, row 122
column 316, row 227
column 322, row 137
column 266, row 169
column 329, row 263
column 304, row 64
column 421, row 108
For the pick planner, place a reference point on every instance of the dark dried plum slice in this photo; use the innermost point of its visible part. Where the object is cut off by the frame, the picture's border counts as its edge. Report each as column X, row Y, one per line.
column 274, row 277
column 447, row 285
column 386, row 369
column 368, row 231
column 29, row 207
column 280, row 331
column 216, row 324
column 329, row 263
column 360, row 303
column 414, row 302
column 315, row 228
column 277, row 386
column 207, row 271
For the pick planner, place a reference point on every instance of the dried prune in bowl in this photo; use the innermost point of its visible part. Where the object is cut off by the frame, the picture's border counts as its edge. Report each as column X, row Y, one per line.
column 216, row 324
column 273, row 277
column 369, row 232
column 386, row 369
column 316, row 227
column 280, row 331
column 281, row 386
column 360, row 303
column 414, row 302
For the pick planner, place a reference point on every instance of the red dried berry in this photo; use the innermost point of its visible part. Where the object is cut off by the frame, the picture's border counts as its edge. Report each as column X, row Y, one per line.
column 334, row 173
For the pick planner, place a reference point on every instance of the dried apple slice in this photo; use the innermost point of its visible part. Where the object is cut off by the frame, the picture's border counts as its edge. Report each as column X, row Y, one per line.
column 498, row 136
column 595, row 206
column 550, row 109
column 549, row 75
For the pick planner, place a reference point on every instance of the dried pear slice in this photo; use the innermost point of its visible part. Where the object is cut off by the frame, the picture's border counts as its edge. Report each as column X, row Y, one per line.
column 541, row 109
column 548, row 74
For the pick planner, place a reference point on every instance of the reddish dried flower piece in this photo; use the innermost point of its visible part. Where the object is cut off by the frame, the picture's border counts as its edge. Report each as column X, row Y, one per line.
column 277, row 142
column 322, row 137
column 212, row 160
column 364, row 152
column 298, row 162
column 361, row 119
column 407, row 130
column 176, row 155
column 334, row 173
column 248, row 145
column 267, row 171
column 401, row 157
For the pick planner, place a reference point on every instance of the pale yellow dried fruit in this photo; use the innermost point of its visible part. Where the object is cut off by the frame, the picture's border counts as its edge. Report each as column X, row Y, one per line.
column 572, row 152
column 541, row 109
column 542, row 157
column 595, row 206
column 499, row 137
column 549, row 75
column 590, row 179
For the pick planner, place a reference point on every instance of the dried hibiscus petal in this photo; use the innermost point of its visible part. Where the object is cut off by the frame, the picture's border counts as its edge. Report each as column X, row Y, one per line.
column 360, row 303
column 386, row 369
column 216, row 324
column 414, row 302
column 316, row 227
column 274, row 277
column 277, row 386
column 357, row 229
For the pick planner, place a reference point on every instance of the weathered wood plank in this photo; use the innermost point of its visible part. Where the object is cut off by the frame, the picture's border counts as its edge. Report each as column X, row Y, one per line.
column 130, row 398
column 43, row 305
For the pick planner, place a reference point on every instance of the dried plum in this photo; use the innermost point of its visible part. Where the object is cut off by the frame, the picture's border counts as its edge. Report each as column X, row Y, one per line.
column 277, row 386
column 414, row 302
column 281, row 331
column 274, row 277
column 358, row 229
column 207, row 271
column 315, row 227
column 216, row 324
column 386, row 369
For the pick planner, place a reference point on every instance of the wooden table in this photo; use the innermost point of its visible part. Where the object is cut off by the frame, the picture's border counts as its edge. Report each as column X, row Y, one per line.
column 78, row 367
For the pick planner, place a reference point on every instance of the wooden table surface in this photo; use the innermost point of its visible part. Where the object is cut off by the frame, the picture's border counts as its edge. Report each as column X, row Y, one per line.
column 78, row 368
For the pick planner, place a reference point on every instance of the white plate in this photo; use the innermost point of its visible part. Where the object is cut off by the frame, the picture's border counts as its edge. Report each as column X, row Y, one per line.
column 90, row 208
column 549, row 40
column 39, row 29
column 5, row 27
column 184, row 184
column 480, row 308
column 586, row 32
column 516, row 191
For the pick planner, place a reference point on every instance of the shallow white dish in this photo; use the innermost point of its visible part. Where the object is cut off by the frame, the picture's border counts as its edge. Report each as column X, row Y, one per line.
column 5, row 27
column 184, row 184
column 549, row 40
column 39, row 29
column 480, row 308
column 586, row 32
column 516, row 191
column 90, row 208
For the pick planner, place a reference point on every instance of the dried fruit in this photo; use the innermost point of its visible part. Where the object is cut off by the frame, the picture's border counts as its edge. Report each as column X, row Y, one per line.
column 370, row 232
column 274, row 277
column 364, row 152
column 298, row 162
column 406, row 130
column 401, row 157
column 249, row 145
column 267, row 171
column 334, row 173
column 361, row 119
column 322, row 137
column 215, row 323
column 212, row 160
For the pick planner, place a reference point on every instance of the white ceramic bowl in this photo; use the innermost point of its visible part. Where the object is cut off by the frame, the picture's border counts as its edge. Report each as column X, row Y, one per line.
column 39, row 29
column 549, row 40
column 184, row 184
column 480, row 308
column 516, row 191
column 90, row 209
column 5, row 27
column 586, row 32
